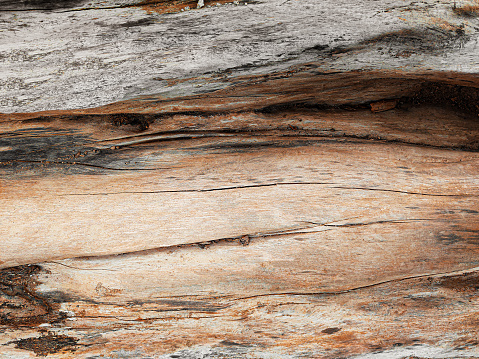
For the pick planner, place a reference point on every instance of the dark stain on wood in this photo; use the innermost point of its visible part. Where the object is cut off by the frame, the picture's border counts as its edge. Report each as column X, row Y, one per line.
column 47, row 344
column 461, row 235
column 330, row 330
column 39, row 4
column 461, row 283
column 128, row 24
column 421, row 41
column 411, row 41
column 449, row 238
column 40, row 144
column 19, row 304
column 469, row 11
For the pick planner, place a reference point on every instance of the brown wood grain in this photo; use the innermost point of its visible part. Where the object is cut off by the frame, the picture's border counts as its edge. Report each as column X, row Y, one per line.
column 251, row 218
column 97, row 193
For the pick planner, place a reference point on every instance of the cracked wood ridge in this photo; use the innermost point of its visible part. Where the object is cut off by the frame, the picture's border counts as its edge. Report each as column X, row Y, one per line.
column 265, row 179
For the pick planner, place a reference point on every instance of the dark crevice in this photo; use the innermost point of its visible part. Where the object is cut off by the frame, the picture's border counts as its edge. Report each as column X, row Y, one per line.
column 83, row 164
column 463, row 98
column 451, row 275
column 246, row 239
column 138, row 121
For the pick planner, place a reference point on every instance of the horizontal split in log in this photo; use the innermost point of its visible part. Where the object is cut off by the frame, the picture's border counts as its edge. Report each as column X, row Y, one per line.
column 285, row 92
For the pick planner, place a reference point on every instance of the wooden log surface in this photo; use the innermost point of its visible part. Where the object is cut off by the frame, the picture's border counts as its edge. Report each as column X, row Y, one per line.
column 82, row 55
column 194, row 217
column 276, row 179
column 170, row 186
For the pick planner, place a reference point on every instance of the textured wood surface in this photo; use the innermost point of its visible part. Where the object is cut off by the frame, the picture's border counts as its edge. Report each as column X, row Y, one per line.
column 70, row 58
column 289, row 221
column 276, row 179
column 217, row 179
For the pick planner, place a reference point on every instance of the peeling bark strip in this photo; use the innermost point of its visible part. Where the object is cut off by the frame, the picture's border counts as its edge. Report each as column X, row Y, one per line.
column 282, row 179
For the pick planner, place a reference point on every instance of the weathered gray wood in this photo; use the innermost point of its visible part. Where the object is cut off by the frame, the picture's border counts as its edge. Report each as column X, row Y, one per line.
column 80, row 59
